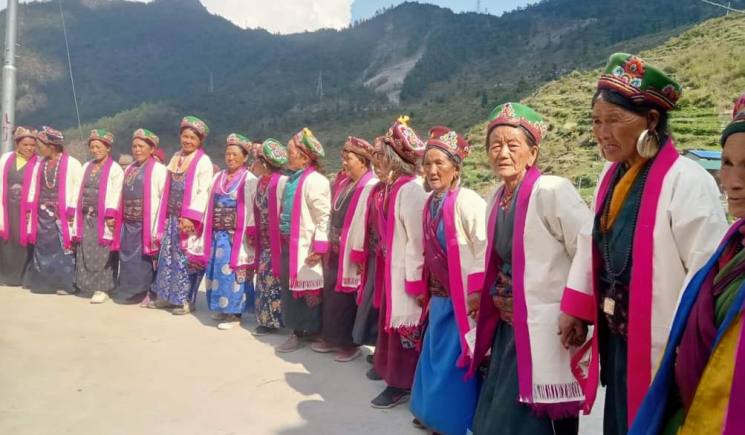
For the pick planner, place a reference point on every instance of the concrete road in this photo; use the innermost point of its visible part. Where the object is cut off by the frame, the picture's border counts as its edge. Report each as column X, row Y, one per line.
column 69, row 367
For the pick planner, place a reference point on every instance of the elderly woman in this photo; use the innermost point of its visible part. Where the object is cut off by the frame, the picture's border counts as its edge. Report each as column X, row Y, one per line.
column 143, row 187
column 15, row 176
column 454, row 243
column 533, row 223
column 271, row 158
column 97, row 213
column 179, row 218
column 224, row 247
column 400, row 282
column 343, row 264
column 657, row 220
column 50, row 210
column 700, row 385
column 303, row 224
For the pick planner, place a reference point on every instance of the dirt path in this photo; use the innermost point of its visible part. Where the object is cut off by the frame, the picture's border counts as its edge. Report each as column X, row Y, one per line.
column 68, row 367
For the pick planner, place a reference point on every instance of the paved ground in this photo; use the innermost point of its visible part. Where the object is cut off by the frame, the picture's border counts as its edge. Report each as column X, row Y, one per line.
column 68, row 367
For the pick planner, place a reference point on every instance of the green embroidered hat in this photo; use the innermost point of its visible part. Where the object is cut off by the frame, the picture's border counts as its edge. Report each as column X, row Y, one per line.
column 307, row 142
column 274, row 152
column 239, row 140
column 197, row 125
column 101, row 135
column 632, row 77
column 738, row 120
column 146, row 135
column 519, row 116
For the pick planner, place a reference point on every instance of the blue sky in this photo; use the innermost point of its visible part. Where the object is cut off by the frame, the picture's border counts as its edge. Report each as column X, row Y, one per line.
column 291, row 16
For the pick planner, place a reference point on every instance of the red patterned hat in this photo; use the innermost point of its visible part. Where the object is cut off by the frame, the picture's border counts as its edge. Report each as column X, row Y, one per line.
column 452, row 143
column 146, row 135
column 358, row 146
column 404, row 141
column 50, row 136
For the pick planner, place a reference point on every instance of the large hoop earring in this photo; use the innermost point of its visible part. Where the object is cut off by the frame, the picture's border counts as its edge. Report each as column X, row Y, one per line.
column 648, row 144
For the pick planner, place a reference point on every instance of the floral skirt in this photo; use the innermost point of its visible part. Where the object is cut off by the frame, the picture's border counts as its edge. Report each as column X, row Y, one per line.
column 228, row 291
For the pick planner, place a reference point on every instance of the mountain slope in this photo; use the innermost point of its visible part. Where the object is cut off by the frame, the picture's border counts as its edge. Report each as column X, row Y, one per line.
column 149, row 61
column 709, row 60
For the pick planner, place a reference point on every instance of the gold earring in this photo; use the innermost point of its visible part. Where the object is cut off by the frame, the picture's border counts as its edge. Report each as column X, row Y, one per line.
column 648, row 144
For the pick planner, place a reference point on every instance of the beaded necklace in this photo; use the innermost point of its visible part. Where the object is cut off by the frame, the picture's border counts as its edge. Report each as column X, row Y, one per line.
column 53, row 183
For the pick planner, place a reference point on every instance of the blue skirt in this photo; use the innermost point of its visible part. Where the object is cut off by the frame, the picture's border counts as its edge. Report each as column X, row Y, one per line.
column 228, row 291
column 442, row 399
column 175, row 280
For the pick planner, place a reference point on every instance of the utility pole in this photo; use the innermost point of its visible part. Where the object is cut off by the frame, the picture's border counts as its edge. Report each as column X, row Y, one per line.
column 9, row 78
column 478, row 6
column 319, row 88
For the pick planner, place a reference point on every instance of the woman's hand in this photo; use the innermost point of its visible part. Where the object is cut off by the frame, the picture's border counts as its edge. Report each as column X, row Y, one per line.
column 186, row 226
column 110, row 222
column 572, row 330
column 313, row 259
column 474, row 300
column 420, row 300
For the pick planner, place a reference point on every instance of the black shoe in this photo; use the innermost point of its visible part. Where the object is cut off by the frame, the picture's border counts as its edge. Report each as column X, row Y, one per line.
column 260, row 331
column 390, row 397
column 373, row 375
column 369, row 358
column 418, row 424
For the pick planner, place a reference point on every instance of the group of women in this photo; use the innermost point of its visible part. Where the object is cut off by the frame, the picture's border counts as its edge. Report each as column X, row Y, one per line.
column 479, row 311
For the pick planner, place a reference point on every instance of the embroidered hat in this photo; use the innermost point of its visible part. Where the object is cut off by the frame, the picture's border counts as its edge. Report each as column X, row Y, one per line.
column 239, row 140
column 738, row 120
column 50, row 136
column 519, row 116
column 23, row 133
column 197, row 125
column 308, row 144
column 101, row 135
column 447, row 140
column 404, row 140
column 146, row 135
column 274, row 153
column 358, row 146
column 632, row 77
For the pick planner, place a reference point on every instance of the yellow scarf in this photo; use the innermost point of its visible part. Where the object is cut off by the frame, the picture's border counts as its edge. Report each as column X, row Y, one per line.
column 620, row 193
column 20, row 162
column 710, row 404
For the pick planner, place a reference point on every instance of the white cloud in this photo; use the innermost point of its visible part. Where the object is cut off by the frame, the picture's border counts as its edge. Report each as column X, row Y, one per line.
column 277, row 16
column 284, row 16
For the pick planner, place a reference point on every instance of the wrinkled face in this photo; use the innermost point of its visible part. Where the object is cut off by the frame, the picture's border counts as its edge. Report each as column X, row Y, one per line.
column 381, row 165
column 98, row 150
column 439, row 170
column 141, row 150
column 296, row 159
column 353, row 165
column 510, row 154
column 43, row 149
column 234, row 157
column 25, row 147
column 616, row 130
column 732, row 174
column 190, row 141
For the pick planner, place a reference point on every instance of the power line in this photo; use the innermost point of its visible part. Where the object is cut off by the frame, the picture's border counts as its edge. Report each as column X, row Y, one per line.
column 69, row 64
column 724, row 6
